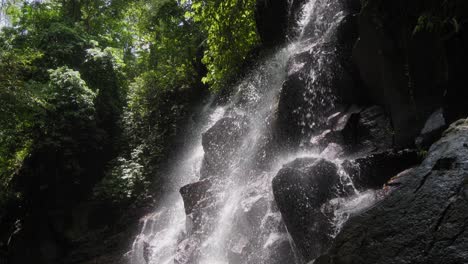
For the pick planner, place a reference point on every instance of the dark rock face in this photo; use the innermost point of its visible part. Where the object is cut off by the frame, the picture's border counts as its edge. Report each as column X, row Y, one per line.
column 320, row 77
column 409, row 69
column 374, row 128
column 193, row 193
column 272, row 21
column 294, row 15
column 199, row 203
column 300, row 190
column 220, row 143
column 376, row 169
column 282, row 252
column 432, row 130
column 357, row 129
column 423, row 220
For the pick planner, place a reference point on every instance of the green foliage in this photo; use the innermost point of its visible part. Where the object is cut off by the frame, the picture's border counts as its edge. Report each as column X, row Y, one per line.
column 94, row 81
column 103, row 72
column 231, row 35
column 169, row 45
column 69, row 95
column 124, row 181
column 9, row 11
column 18, row 103
column 441, row 18
column 153, row 114
column 62, row 45
column 69, row 110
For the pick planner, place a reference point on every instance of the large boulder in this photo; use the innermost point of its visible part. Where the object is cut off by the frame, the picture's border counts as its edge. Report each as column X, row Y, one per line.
column 432, row 130
column 374, row 170
column 357, row 129
column 280, row 248
column 200, row 203
column 320, row 77
column 423, row 220
column 188, row 250
column 374, row 128
column 323, row 17
column 300, row 189
column 193, row 193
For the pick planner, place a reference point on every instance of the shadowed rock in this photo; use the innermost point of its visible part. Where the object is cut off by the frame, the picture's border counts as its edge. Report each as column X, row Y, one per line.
column 193, row 193
column 319, row 77
column 423, row 220
column 357, row 129
column 432, row 130
column 300, row 190
column 411, row 71
column 376, row 169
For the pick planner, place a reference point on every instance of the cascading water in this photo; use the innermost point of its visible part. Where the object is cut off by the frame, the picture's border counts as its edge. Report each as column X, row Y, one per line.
column 227, row 213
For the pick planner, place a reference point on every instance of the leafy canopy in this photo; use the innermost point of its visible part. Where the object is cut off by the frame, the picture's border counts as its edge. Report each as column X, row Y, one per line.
column 231, row 34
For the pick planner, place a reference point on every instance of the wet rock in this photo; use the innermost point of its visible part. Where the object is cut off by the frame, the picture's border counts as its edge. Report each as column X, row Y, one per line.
column 423, row 220
column 253, row 221
column 248, row 217
column 300, row 189
column 353, row 6
column 325, row 138
column 300, row 163
column 221, row 143
column 294, row 15
column 376, row 169
column 254, row 209
column 187, row 251
column 280, row 249
column 319, row 78
column 289, row 117
column 432, row 130
column 375, row 128
column 198, row 222
column 201, row 204
column 357, row 129
column 237, row 253
column 323, row 17
column 345, row 129
column 146, row 251
column 273, row 221
column 193, row 193
column 411, row 71
column 333, row 151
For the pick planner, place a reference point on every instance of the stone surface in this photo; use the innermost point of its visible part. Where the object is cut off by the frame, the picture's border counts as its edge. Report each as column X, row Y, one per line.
column 357, row 129
column 300, row 189
column 280, row 248
column 411, row 72
column 376, row 169
column 193, row 193
column 423, row 220
column 221, row 143
column 320, row 77
column 432, row 130
column 375, row 128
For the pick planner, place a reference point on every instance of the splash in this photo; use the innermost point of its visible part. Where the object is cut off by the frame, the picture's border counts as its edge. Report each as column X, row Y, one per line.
column 234, row 158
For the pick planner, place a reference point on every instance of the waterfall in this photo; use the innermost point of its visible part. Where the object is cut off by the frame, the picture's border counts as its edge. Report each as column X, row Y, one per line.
column 226, row 174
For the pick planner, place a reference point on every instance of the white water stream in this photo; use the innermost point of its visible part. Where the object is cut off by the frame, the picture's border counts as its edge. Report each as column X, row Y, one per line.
column 240, row 224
